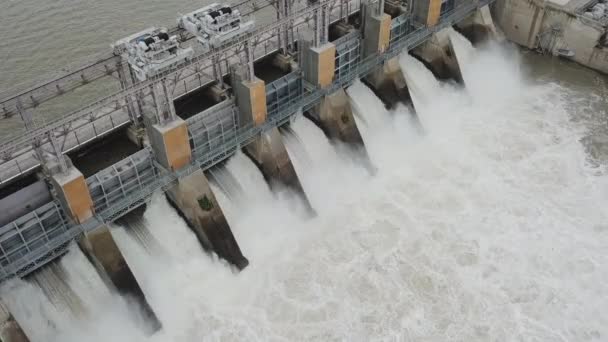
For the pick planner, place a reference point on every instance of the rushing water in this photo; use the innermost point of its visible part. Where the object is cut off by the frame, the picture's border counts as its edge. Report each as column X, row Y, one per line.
column 486, row 224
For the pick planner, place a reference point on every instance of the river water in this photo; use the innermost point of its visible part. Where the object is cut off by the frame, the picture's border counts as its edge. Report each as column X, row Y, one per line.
column 484, row 221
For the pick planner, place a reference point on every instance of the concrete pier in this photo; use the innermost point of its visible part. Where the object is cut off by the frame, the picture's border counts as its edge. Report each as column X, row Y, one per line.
column 479, row 27
column 10, row 331
column 318, row 63
column 335, row 117
column 73, row 193
column 387, row 80
column 98, row 245
column 192, row 195
column 377, row 30
column 251, row 100
column 333, row 114
column 267, row 151
column 437, row 54
column 427, row 12
column 195, row 200
column 388, row 83
column 170, row 143
column 101, row 250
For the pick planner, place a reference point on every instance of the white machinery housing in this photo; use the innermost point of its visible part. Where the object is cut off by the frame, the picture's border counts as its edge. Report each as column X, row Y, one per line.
column 215, row 24
column 151, row 51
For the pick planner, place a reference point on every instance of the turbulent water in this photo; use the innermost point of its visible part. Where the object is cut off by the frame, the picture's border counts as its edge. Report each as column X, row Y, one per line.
column 484, row 221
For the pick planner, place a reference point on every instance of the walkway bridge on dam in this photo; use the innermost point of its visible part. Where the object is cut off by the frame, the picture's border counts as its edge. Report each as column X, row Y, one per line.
column 236, row 121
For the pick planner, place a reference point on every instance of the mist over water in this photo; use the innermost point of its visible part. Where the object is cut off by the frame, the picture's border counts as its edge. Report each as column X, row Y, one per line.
column 486, row 224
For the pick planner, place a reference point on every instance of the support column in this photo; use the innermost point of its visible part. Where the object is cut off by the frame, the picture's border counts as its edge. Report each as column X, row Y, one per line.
column 195, row 200
column 73, row 193
column 72, row 190
column 318, row 63
column 251, row 100
column 10, row 331
column 388, row 83
column 387, row 80
column 427, row 12
column 334, row 114
column 170, row 143
column 267, row 150
column 101, row 250
column 192, row 195
column 377, row 30
column 269, row 153
column 437, row 54
column 479, row 27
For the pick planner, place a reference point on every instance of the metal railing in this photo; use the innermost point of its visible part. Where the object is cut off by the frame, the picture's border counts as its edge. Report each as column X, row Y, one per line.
column 283, row 92
column 212, row 127
column 121, row 179
column 37, row 232
column 347, row 54
column 211, row 149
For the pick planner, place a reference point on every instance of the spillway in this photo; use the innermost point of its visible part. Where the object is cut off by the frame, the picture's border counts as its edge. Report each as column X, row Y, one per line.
column 70, row 302
column 465, row 233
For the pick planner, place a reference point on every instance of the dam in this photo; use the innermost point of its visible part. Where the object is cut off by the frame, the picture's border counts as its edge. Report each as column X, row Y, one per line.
column 146, row 214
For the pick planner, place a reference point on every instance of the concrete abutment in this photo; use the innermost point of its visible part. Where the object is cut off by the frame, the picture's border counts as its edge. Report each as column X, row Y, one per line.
column 553, row 29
